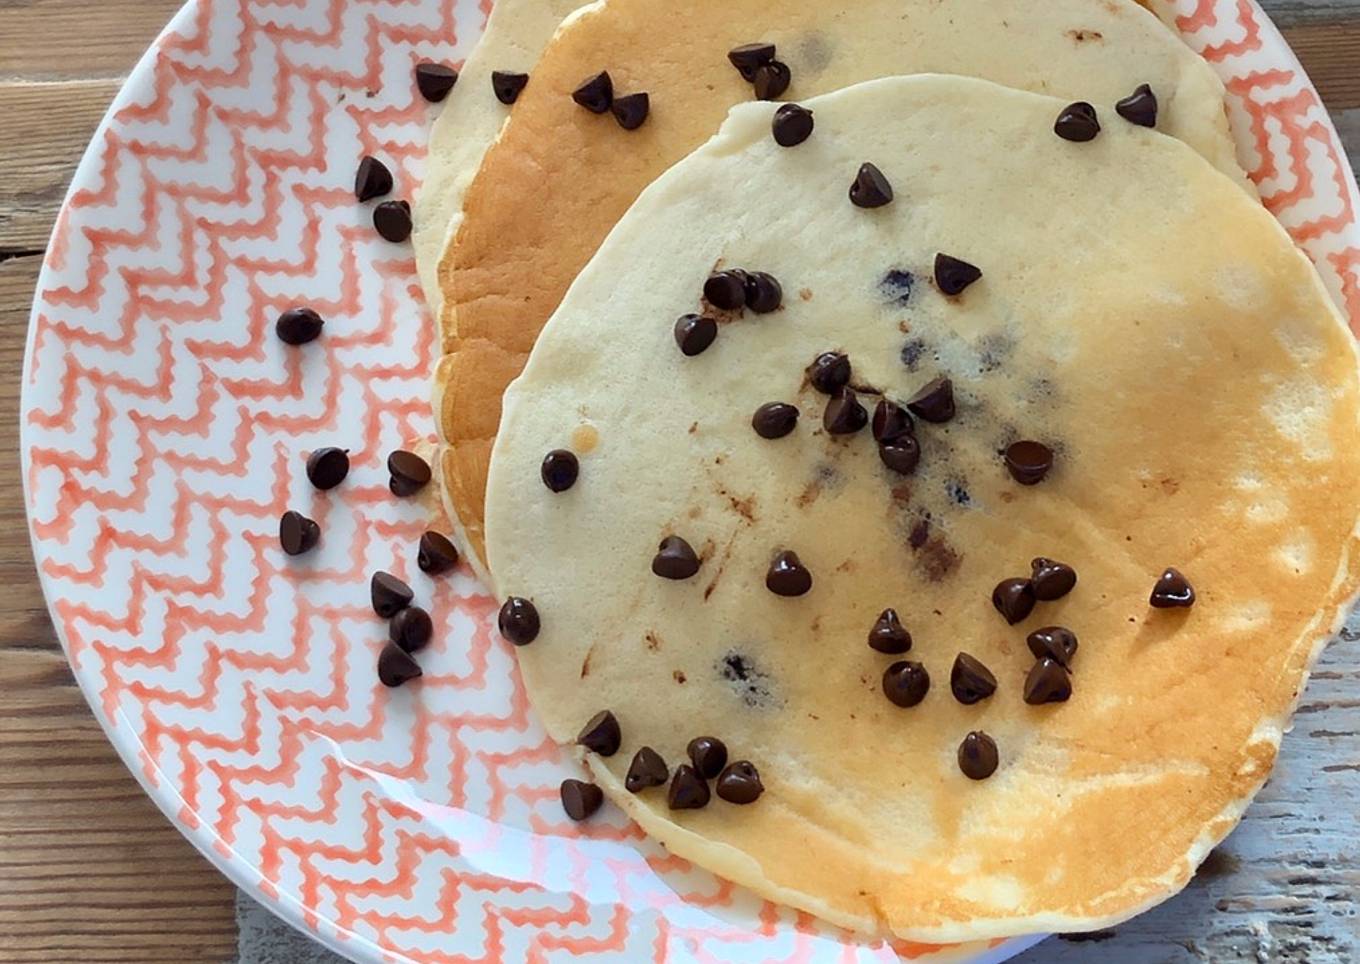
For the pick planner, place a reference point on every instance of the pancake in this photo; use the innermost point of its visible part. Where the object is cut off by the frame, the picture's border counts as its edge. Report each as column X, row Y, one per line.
column 1137, row 313
column 559, row 177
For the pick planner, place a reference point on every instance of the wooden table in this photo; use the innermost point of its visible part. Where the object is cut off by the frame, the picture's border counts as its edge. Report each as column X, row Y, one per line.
column 91, row 871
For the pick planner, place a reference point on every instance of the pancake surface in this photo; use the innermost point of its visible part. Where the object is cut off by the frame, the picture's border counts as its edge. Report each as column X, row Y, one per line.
column 1137, row 312
column 559, row 177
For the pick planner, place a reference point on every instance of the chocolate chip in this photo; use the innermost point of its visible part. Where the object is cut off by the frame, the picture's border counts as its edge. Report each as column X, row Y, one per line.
column 792, row 124
column 953, row 275
column 1028, row 461
column 905, row 683
column 870, row 188
column 1013, row 599
column 395, row 666
column 902, row 456
column 1140, row 107
column 411, row 629
column 1051, row 580
column 580, row 800
column 596, row 93
column 771, row 80
column 977, row 756
column 1057, row 643
column 889, row 635
column 392, row 220
column 297, row 326
column 740, row 783
column 373, row 179
column 829, row 372
column 694, row 333
column 708, row 754
column 844, row 414
column 1047, row 682
column 970, row 681
column 601, row 734
column 648, row 769
column 774, row 420
column 518, row 621
column 1173, row 590
column 435, row 80
column 787, row 576
column 436, row 554
column 631, row 110
column 507, row 85
column 897, row 285
column 726, row 290
column 675, row 559
column 559, row 470
column 934, row 402
column 763, row 292
column 388, row 594
column 687, row 791
column 891, row 422
column 748, row 57
column 410, row 473
column 1077, row 122
column 297, row 533
column 327, row 467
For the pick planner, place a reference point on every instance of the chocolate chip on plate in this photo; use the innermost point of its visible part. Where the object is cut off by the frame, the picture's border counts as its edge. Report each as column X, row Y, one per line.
column 392, row 220
column 388, row 594
column 518, row 621
column 580, row 800
column 1028, row 461
column 953, row 275
column 891, row 422
column 648, row 769
column 373, row 179
column 787, row 575
column 694, row 333
column 748, row 57
column 1172, row 591
column 844, row 414
column 434, row 81
column 1051, row 580
column 1047, row 682
column 1057, row 643
column 763, row 293
column 327, row 467
column 870, row 188
column 971, row 681
column 297, row 326
column 740, row 783
column 559, row 470
column 792, row 124
column 436, row 553
column 829, row 372
column 726, row 290
column 395, row 666
column 675, row 559
column 688, row 790
column 297, row 533
column 977, row 756
column 596, row 93
column 601, row 734
column 902, row 456
column 507, row 85
column 1140, row 107
column 411, row 629
column 774, row 420
column 771, row 80
column 906, row 683
column 631, row 110
column 1013, row 599
column 410, row 473
column 1077, row 122
column 888, row 635
column 934, row 402
column 708, row 754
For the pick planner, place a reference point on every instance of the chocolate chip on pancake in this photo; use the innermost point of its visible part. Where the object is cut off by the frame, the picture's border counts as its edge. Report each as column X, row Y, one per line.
column 297, row 326
column 580, row 800
column 748, row 57
column 392, row 221
column 434, row 81
column 327, row 467
column 694, row 333
column 1013, row 599
column 675, row 559
column 1140, row 107
column 953, row 275
column 891, row 422
column 844, row 414
column 829, row 372
column 507, row 85
column 897, row 285
column 395, row 666
column 771, row 80
column 373, row 179
column 740, row 783
column 631, row 110
column 1057, row 643
column 906, row 683
column 436, row 553
column 648, row 769
column 708, row 754
column 1172, row 591
column 726, row 290
column 978, row 758
column 971, row 681
column 763, row 293
column 934, row 402
column 1028, row 461
column 888, row 635
column 688, row 790
column 870, row 189
column 901, row 456
column 595, row 93
column 297, row 533
column 1051, row 580
column 411, row 629
column 792, row 124
column 787, row 575
column 388, row 594
column 601, row 734
column 409, row 473
column 1077, row 122
column 518, row 621
column 559, row 470
column 1048, row 682
column 774, row 420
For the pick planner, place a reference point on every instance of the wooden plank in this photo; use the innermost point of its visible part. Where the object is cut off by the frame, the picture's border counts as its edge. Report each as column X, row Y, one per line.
column 77, row 39
column 1330, row 53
